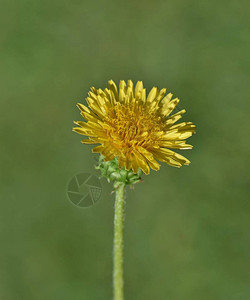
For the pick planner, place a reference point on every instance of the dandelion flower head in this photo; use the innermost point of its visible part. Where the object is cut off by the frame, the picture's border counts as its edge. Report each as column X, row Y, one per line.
column 136, row 128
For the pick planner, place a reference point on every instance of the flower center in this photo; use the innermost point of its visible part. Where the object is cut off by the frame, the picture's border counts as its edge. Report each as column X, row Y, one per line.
column 133, row 126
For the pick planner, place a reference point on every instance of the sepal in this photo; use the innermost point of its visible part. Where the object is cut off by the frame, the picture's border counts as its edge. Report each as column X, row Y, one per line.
column 111, row 170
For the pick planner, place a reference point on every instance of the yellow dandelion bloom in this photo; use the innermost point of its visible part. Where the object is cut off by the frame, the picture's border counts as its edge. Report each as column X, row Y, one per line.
column 136, row 128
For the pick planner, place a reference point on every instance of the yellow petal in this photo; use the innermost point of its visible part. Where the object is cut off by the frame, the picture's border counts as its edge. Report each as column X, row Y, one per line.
column 87, row 141
column 113, row 88
column 141, row 162
column 98, row 149
column 174, row 118
column 168, row 108
column 150, row 158
column 84, row 131
column 175, row 135
column 175, row 145
column 138, row 87
column 134, row 163
column 83, row 107
column 152, row 94
column 166, row 99
column 173, row 155
column 121, row 161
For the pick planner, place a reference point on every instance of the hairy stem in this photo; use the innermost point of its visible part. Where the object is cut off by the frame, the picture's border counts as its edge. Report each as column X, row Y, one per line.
column 118, row 243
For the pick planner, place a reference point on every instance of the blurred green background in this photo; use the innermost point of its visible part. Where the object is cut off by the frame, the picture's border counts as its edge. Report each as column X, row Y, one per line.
column 187, row 230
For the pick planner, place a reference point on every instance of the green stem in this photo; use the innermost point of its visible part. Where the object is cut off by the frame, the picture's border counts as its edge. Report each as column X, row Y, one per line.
column 118, row 243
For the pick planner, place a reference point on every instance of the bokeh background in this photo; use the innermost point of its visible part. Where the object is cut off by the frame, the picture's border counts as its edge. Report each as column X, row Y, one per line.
column 187, row 230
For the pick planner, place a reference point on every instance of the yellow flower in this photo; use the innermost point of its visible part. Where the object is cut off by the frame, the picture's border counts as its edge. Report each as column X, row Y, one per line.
column 135, row 128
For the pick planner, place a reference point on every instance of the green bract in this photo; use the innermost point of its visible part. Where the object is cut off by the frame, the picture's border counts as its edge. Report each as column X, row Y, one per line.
column 111, row 170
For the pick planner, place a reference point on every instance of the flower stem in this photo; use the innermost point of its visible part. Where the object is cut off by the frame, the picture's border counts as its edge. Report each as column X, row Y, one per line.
column 118, row 243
